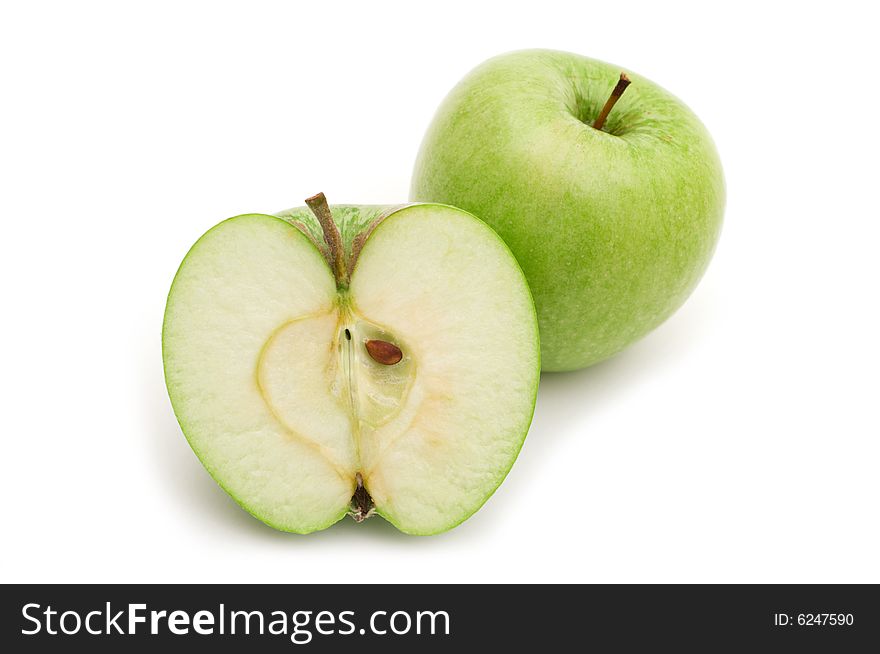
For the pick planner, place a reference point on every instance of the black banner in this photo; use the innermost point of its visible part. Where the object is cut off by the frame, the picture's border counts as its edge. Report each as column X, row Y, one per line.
column 422, row 618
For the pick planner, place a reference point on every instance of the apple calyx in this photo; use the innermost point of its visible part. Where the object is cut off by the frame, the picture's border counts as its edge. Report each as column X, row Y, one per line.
column 362, row 506
column 618, row 90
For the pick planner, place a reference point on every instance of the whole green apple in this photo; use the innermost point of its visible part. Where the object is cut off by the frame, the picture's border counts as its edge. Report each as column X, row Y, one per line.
column 613, row 219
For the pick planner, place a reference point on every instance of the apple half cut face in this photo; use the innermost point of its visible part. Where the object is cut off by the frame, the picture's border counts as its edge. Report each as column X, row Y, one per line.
column 373, row 360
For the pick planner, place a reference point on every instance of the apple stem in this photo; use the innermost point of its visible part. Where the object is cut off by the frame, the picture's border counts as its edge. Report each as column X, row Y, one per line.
column 318, row 205
column 622, row 83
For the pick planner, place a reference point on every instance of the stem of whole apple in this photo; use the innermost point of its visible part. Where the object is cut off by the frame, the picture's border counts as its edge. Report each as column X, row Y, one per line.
column 622, row 83
column 318, row 205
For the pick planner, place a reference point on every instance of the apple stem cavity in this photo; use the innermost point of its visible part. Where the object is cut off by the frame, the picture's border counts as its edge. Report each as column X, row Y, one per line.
column 336, row 258
column 618, row 90
column 362, row 506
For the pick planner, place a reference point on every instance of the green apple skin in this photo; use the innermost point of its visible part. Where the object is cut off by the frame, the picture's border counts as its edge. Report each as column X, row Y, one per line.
column 614, row 227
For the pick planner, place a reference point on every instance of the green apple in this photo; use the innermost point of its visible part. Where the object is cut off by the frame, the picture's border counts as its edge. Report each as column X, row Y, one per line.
column 613, row 226
column 355, row 361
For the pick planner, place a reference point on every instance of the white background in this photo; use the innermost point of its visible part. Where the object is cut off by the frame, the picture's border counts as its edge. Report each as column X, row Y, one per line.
column 739, row 442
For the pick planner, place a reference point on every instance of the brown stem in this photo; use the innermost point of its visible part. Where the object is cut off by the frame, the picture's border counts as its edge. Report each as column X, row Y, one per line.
column 318, row 205
column 622, row 83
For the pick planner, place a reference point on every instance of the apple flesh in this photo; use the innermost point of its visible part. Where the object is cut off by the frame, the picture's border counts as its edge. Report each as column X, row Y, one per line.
column 613, row 227
column 372, row 360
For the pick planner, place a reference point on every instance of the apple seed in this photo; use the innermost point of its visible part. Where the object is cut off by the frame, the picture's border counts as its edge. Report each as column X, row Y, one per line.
column 383, row 352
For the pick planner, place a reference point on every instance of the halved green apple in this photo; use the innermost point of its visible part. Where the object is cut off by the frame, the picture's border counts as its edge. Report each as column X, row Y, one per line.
column 365, row 360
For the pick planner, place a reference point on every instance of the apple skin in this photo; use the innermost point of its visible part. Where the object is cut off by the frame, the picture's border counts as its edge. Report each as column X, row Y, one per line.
column 613, row 228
